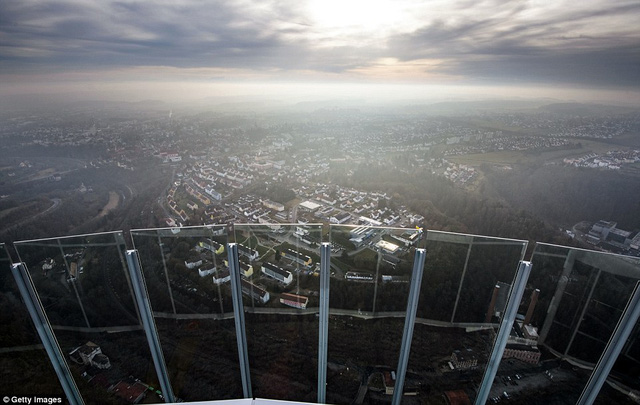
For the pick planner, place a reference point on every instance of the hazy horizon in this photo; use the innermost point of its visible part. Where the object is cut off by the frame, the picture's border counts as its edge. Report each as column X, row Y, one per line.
column 376, row 50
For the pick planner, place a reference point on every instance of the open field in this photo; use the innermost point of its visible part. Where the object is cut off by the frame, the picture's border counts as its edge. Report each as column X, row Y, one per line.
column 114, row 200
column 512, row 157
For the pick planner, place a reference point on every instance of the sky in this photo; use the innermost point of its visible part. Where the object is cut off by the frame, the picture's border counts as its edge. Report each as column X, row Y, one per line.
column 588, row 49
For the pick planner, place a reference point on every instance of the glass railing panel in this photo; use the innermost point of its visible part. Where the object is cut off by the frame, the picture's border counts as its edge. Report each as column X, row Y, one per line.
column 84, row 286
column 24, row 364
column 187, row 277
column 573, row 301
column 369, row 287
column 280, row 297
column 466, row 283
column 623, row 385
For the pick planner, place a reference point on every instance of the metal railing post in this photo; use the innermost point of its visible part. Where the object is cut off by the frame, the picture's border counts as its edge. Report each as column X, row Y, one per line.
column 409, row 322
column 515, row 297
column 238, row 311
column 146, row 316
column 323, row 332
column 617, row 341
column 43, row 327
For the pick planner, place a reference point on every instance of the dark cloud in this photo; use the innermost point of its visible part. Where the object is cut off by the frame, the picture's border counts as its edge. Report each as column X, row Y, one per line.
column 191, row 34
column 551, row 50
column 487, row 41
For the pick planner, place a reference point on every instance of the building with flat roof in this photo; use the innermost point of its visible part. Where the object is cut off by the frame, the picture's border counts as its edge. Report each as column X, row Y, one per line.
column 526, row 353
column 131, row 391
column 90, row 354
column 309, row 206
column 355, row 276
column 273, row 205
column 387, row 246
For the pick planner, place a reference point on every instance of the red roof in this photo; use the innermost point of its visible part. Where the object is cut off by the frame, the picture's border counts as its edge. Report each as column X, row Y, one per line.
column 458, row 397
column 129, row 392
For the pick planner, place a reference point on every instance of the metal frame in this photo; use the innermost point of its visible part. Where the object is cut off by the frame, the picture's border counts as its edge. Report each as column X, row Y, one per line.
column 323, row 333
column 238, row 310
column 34, row 306
column 409, row 322
column 142, row 299
column 621, row 333
column 515, row 297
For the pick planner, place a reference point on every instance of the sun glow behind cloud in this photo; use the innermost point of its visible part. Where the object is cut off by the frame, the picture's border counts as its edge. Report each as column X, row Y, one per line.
column 536, row 44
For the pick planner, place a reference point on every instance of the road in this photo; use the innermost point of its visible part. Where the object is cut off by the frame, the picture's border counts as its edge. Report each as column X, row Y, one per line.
column 53, row 207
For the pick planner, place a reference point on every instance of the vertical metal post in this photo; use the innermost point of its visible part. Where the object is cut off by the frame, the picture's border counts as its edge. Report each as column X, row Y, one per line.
column 119, row 238
column 142, row 298
column 409, row 322
column 375, row 280
column 323, row 333
column 39, row 318
column 515, row 297
column 617, row 341
column 238, row 311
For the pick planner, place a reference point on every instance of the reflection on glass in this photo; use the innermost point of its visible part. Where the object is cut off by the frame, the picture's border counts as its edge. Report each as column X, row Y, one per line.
column 574, row 301
column 24, row 364
column 623, row 384
column 85, row 289
column 466, row 283
column 280, row 267
column 187, row 278
column 370, row 275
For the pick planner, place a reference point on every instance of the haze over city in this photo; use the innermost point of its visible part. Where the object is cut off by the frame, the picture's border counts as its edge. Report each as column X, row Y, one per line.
column 377, row 50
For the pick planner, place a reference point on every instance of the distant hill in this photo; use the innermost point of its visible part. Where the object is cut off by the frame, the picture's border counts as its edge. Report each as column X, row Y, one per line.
column 580, row 109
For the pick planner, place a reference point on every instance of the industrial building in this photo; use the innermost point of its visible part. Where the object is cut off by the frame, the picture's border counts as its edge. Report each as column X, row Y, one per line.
column 273, row 205
column 90, row 354
column 462, row 360
column 526, row 353
column 355, row 276
column 387, row 246
column 408, row 238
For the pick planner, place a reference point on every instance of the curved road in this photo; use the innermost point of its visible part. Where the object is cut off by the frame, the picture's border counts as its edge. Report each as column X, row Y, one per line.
column 53, row 207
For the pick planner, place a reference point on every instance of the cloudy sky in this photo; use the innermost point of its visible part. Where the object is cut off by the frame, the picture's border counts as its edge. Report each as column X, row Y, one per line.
column 584, row 47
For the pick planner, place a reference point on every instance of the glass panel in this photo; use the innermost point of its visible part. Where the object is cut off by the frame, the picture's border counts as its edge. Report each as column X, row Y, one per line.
column 188, row 281
column 85, row 289
column 573, row 302
column 623, row 385
column 370, row 275
column 466, row 283
column 24, row 364
column 281, row 305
